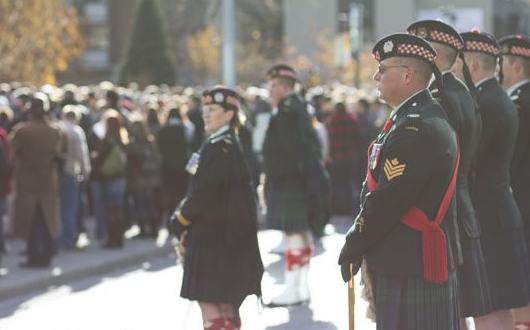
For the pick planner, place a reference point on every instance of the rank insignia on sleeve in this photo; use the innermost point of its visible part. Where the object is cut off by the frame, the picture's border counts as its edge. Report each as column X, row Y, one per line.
column 393, row 169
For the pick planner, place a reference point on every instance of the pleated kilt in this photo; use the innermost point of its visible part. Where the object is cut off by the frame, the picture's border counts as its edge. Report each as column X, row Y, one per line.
column 411, row 303
column 506, row 261
column 286, row 206
column 216, row 275
column 474, row 292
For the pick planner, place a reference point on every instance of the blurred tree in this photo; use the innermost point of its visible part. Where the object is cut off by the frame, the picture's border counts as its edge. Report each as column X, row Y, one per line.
column 147, row 60
column 258, row 32
column 205, row 54
column 39, row 38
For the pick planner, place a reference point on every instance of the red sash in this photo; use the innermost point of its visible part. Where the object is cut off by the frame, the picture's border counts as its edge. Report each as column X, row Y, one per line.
column 433, row 238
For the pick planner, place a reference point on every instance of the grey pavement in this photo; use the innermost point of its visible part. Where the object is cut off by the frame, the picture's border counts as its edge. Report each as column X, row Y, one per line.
column 150, row 288
column 75, row 264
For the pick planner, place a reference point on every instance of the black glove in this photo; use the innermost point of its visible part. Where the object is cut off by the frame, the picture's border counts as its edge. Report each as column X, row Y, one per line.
column 346, row 258
column 176, row 227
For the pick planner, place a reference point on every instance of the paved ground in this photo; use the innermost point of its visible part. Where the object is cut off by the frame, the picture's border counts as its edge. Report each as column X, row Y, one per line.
column 145, row 294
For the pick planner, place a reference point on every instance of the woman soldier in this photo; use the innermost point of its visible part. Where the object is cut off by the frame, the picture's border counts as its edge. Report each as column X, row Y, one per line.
column 216, row 222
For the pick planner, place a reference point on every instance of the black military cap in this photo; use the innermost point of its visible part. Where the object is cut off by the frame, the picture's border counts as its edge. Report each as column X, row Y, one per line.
column 221, row 95
column 443, row 33
column 437, row 31
column 482, row 42
column 515, row 45
column 404, row 45
column 282, row 71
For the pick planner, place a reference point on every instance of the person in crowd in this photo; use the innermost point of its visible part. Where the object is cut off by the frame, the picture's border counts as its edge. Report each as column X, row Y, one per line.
column 194, row 114
column 108, row 157
column 345, row 151
column 143, row 172
column 216, row 223
column 174, row 144
column 76, row 169
column 38, row 150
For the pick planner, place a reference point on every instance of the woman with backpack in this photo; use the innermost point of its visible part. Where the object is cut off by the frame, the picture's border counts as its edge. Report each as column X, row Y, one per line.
column 109, row 159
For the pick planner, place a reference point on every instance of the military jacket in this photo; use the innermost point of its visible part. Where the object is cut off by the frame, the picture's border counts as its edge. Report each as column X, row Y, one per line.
column 413, row 162
column 493, row 198
column 287, row 140
column 220, row 203
column 465, row 119
column 520, row 166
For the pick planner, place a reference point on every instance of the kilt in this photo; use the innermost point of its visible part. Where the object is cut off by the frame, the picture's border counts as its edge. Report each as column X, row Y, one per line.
column 286, row 206
column 473, row 284
column 216, row 274
column 411, row 303
column 506, row 259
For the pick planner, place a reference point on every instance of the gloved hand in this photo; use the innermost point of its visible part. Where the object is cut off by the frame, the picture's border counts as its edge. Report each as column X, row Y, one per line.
column 346, row 258
column 175, row 226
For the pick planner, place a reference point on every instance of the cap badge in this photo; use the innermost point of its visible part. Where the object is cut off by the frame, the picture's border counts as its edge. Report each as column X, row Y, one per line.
column 388, row 46
column 505, row 49
column 219, row 98
column 422, row 32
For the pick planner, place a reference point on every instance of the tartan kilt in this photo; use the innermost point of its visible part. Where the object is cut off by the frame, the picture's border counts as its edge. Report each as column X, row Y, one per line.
column 411, row 303
column 474, row 291
column 506, row 261
column 216, row 275
column 286, row 206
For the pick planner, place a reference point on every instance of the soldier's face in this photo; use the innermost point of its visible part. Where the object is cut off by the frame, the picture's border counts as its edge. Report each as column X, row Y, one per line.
column 277, row 90
column 389, row 77
column 509, row 69
column 215, row 117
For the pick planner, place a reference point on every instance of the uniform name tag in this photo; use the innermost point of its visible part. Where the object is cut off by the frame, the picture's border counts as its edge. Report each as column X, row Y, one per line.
column 193, row 163
column 374, row 156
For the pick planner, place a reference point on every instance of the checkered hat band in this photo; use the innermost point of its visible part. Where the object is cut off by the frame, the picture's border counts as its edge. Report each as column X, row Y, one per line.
column 482, row 47
column 446, row 39
column 521, row 51
column 415, row 50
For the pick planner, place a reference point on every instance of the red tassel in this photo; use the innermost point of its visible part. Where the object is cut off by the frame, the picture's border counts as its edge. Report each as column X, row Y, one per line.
column 434, row 245
column 434, row 254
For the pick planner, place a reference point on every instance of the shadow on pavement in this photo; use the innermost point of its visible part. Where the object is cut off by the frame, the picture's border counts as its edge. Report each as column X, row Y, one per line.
column 302, row 318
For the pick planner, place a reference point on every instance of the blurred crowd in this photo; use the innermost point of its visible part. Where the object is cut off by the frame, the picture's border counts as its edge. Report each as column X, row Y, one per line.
column 118, row 154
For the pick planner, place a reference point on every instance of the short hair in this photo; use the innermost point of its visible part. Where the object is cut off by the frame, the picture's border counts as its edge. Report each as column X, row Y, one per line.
column 446, row 54
column 488, row 62
column 423, row 69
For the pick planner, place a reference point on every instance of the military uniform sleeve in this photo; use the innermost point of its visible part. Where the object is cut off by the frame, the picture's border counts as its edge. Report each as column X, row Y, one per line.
column 522, row 144
column 404, row 168
column 211, row 175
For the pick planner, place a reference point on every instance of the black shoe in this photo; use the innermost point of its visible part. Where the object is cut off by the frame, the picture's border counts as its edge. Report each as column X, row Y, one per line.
column 33, row 264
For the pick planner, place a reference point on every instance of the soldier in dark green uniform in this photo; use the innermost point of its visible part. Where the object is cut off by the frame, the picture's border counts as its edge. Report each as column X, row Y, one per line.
column 216, row 222
column 288, row 139
column 406, row 231
column 515, row 51
column 463, row 115
column 503, row 242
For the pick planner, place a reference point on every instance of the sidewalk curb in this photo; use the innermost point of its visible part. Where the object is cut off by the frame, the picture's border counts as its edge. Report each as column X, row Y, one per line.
column 51, row 279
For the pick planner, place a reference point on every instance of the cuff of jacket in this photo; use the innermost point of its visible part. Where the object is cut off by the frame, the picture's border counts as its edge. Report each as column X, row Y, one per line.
column 183, row 221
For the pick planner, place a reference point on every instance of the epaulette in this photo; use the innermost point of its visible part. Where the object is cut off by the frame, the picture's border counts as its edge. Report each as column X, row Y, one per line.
column 222, row 137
